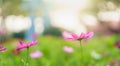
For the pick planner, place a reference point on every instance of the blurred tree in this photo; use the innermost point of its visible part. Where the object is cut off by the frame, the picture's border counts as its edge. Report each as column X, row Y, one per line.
column 10, row 7
column 52, row 31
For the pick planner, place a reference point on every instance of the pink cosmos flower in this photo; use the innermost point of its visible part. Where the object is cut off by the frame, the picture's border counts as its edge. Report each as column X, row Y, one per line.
column 36, row 54
column 72, row 36
column 23, row 45
column 68, row 49
column 2, row 49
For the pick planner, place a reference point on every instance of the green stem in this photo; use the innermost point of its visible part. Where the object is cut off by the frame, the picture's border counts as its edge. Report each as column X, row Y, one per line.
column 82, row 57
column 27, row 61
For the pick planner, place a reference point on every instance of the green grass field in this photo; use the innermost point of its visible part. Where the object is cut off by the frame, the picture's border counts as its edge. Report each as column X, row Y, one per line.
column 102, row 49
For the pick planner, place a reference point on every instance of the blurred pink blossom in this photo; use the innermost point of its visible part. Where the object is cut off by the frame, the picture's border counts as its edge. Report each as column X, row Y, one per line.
column 2, row 32
column 117, row 44
column 72, row 36
column 34, row 35
column 2, row 49
column 23, row 45
column 36, row 54
column 68, row 49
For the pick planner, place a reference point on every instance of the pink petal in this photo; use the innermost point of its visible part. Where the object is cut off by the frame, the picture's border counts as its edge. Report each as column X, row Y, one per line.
column 36, row 54
column 2, row 31
column 68, row 49
column 20, row 47
column 75, row 36
column 89, row 34
column 32, row 43
column 3, row 49
column 1, row 46
column 20, row 42
column 82, row 35
column 70, row 39
column 67, row 36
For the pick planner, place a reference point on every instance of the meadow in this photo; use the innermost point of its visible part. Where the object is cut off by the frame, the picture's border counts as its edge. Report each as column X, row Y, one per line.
column 97, row 51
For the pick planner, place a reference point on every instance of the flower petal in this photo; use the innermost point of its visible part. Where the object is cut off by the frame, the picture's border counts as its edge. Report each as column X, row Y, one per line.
column 89, row 34
column 20, row 42
column 1, row 46
column 68, row 49
column 32, row 43
column 20, row 47
column 2, row 32
column 67, row 36
column 36, row 54
column 82, row 35
column 3, row 49
column 75, row 36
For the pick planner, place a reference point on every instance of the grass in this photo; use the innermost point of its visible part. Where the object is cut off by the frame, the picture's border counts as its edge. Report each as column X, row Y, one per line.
column 53, row 54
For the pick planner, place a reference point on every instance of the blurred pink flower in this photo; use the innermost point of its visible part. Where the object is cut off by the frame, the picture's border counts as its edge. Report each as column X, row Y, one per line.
column 71, row 36
column 34, row 35
column 36, row 54
column 68, row 49
column 23, row 45
column 2, row 49
column 117, row 44
column 2, row 32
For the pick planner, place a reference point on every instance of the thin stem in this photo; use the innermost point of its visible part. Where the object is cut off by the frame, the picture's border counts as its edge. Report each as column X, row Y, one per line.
column 27, row 61
column 82, row 57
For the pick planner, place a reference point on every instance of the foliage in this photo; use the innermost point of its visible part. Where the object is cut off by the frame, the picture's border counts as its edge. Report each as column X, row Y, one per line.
column 52, row 31
column 10, row 7
column 19, row 35
column 53, row 54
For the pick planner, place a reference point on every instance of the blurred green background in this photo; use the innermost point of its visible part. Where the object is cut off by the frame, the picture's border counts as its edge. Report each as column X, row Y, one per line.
column 19, row 19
